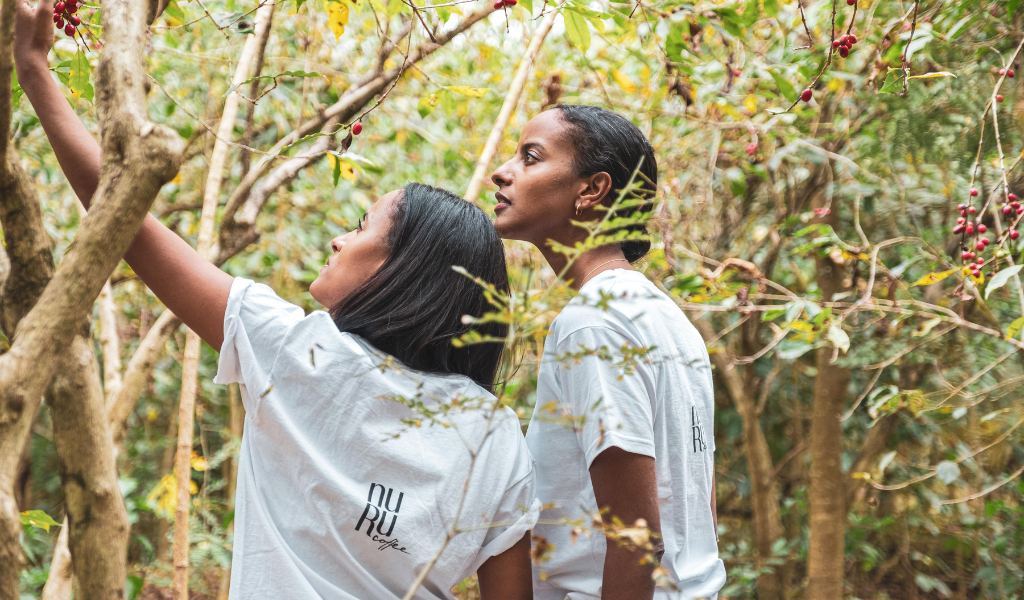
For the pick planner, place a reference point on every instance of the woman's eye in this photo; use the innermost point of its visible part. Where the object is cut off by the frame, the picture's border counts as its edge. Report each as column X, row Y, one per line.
column 359, row 225
column 530, row 158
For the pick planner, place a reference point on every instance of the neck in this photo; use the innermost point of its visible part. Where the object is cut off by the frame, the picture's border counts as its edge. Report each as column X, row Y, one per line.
column 587, row 265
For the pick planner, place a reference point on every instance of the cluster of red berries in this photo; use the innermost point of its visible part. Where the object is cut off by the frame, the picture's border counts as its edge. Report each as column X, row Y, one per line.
column 1007, row 72
column 844, row 44
column 966, row 226
column 501, row 3
column 64, row 16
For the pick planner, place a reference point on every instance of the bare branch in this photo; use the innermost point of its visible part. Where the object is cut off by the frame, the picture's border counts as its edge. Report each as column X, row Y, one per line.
column 511, row 101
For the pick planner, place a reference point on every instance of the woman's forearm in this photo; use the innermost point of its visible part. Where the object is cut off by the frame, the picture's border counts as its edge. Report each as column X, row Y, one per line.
column 77, row 152
column 193, row 288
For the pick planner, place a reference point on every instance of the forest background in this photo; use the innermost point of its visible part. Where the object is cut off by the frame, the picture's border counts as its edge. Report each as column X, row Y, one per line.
column 867, row 377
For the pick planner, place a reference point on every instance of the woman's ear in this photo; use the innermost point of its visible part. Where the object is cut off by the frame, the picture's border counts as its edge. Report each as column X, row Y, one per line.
column 594, row 190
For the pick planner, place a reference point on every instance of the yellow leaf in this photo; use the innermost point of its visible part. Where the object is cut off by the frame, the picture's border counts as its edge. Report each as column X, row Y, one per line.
column 861, row 475
column 932, row 75
column 934, row 277
column 337, row 17
column 468, row 91
column 624, row 81
column 750, row 104
column 198, row 462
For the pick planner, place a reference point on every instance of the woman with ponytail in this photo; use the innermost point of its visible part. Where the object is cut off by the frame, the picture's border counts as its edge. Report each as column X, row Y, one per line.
column 625, row 404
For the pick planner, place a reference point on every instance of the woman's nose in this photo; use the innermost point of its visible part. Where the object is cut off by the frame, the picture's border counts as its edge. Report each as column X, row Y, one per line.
column 502, row 176
column 338, row 243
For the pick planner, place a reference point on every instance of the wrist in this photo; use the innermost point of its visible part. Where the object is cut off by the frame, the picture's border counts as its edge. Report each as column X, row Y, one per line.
column 30, row 65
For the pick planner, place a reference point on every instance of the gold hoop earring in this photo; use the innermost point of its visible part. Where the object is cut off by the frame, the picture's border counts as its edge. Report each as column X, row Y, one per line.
column 577, row 210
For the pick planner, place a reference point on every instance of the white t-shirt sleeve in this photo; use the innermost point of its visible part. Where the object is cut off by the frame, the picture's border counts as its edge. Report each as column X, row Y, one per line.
column 256, row 325
column 609, row 395
column 517, row 513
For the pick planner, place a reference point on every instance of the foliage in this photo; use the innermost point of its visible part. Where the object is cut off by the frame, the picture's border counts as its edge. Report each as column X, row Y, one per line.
column 843, row 206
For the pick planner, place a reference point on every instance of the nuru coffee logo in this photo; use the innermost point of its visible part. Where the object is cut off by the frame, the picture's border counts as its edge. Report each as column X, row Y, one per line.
column 377, row 513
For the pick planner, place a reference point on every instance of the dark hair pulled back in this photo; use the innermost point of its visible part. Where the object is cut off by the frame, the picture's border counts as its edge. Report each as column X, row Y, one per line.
column 412, row 307
column 607, row 141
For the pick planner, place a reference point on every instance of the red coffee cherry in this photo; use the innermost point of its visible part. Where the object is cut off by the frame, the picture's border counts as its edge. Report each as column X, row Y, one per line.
column 736, row 72
column 981, row 260
column 806, row 95
column 1002, row 71
column 965, row 255
column 1011, row 196
column 958, row 229
column 357, row 129
column 982, row 228
column 1014, row 234
column 69, row 29
column 836, row 43
column 59, row 7
column 1009, row 73
column 75, row 20
column 972, row 210
column 851, row 40
column 970, row 228
column 1007, row 209
column 58, row 23
column 999, row 97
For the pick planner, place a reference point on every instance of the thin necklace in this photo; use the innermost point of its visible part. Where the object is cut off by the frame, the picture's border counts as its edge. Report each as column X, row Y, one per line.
column 598, row 267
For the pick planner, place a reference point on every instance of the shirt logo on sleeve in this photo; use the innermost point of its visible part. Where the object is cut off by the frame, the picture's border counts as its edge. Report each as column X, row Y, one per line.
column 377, row 513
column 698, row 432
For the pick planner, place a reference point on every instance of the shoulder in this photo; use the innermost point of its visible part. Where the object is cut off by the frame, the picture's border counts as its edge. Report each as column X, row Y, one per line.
column 614, row 301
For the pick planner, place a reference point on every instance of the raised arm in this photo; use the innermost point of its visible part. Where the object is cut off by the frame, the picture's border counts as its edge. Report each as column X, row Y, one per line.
column 187, row 284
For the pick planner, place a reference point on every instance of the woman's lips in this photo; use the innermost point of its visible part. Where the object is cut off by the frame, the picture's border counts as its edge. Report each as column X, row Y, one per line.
column 503, row 202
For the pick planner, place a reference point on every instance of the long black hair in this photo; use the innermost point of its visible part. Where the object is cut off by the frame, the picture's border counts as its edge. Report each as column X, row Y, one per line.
column 607, row 141
column 413, row 306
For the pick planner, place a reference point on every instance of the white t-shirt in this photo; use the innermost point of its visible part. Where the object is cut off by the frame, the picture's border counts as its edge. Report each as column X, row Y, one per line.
column 330, row 503
column 659, row 404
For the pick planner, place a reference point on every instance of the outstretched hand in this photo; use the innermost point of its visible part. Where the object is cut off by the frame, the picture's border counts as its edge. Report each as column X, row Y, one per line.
column 33, row 32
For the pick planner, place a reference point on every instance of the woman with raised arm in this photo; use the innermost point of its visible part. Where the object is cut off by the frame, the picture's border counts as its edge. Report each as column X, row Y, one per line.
column 625, row 404
column 370, row 438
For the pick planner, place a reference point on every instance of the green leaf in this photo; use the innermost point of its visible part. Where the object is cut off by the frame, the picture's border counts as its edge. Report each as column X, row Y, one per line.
column 133, row 586
column 448, row 102
column 173, row 10
column 999, row 279
column 78, row 77
column 428, row 103
column 528, row 5
column 750, row 15
column 789, row 350
column 785, row 87
column 576, row 29
column 37, row 518
column 336, row 171
column 675, row 43
column 16, row 90
column 1014, row 328
column 771, row 7
column 892, row 82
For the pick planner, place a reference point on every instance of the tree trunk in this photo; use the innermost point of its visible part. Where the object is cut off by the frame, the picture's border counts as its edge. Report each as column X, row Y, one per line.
column 764, row 486
column 96, row 514
column 825, row 557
